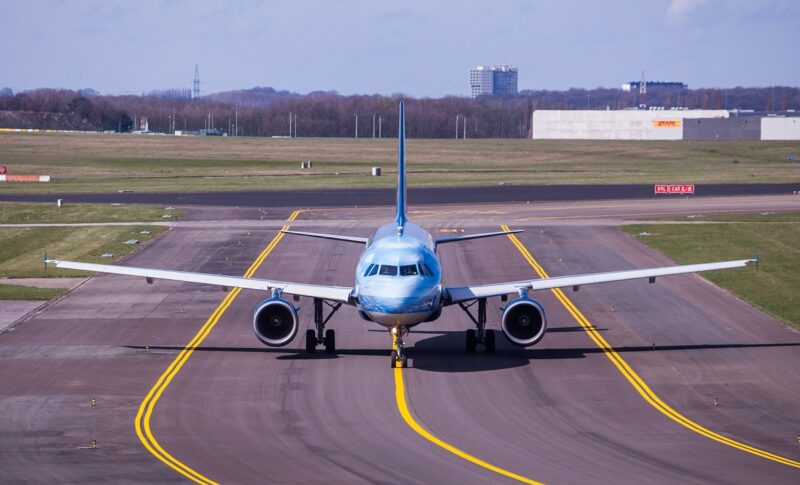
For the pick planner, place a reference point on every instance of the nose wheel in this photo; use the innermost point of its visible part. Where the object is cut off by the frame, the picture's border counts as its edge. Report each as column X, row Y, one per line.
column 398, row 356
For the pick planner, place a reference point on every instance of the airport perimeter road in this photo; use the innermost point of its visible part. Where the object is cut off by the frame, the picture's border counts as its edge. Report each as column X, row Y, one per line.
column 486, row 194
column 234, row 411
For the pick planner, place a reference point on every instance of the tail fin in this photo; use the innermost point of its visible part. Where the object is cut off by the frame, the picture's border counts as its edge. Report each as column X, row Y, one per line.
column 402, row 218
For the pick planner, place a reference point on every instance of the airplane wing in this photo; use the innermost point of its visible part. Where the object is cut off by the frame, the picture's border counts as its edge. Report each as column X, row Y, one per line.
column 443, row 240
column 335, row 237
column 334, row 293
column 466, row 293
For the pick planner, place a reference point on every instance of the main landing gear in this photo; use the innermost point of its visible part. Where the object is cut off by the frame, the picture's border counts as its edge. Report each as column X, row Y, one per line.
column 479, row 335
column 398, row 358
column 314, row 338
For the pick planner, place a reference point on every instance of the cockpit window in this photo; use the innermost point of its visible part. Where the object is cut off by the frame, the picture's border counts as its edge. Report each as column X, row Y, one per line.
column 425, row 270
column 408, row 270
column 387, row 270
column 369, row 268
column 374, row 270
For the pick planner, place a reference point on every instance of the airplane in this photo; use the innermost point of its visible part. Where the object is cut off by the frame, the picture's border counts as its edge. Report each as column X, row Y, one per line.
column 398, row 284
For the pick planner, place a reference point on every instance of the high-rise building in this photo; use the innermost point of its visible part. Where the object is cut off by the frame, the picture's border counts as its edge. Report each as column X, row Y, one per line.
column 493, row 80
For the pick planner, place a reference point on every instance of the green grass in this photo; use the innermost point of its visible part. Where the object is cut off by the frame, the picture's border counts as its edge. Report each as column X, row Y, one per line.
column 108, row 163
column 774, row 288
column 16, row 292
column 768, row 218
column 22, row 249
column 23, row 213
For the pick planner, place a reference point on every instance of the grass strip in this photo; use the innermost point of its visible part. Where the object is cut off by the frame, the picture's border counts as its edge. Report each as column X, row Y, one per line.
column 774, row 288
column 35, row 213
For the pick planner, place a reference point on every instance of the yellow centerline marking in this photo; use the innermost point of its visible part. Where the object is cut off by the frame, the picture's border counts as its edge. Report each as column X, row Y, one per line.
column 402, row 406
column 400, row 396
column 145, row 412
column 633, row 378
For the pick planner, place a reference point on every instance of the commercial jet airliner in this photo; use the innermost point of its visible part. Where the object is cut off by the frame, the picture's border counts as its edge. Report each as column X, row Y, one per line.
column 398, row 284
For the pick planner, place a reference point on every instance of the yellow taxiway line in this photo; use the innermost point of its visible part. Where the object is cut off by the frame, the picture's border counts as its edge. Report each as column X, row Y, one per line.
column 142, row 422
column 400, row 397
column 402, row 406
column 633, row 378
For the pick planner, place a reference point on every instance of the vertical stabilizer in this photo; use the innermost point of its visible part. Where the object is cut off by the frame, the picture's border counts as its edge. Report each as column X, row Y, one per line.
column 402, row 218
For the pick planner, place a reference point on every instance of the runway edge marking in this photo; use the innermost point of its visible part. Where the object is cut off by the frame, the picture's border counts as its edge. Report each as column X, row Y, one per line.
column 145, row 412
column 633, row 378
column 402, row 406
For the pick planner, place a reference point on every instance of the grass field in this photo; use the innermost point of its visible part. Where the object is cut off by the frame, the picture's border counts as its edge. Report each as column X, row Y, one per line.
column 775, row 287
column 22, row 213
column 108, row 163
column 22, row 249
column 17, row 292
column 22, row 252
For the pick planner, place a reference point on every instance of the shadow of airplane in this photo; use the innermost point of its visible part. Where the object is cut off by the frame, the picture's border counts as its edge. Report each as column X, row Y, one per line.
column 444, row 352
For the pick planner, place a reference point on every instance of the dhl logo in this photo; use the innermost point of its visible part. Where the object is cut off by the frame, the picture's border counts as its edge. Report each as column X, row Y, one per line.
column 667, row 123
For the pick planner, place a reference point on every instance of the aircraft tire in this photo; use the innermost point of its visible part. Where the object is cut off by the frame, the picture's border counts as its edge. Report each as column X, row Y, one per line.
column 472, row 341
column 489, row 341
column 394, row 359
column 330, row 341
column 311, row 341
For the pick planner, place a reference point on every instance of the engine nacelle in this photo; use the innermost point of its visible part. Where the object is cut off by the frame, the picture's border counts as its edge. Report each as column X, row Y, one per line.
column 524, row 322
column 275, row 322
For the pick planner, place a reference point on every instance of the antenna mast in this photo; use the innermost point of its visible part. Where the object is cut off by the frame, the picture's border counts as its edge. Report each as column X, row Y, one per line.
column 643, row 92
column 196, row 84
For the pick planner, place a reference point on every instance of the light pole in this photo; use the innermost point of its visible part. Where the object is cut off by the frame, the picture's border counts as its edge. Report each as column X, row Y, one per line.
column 373, row 126
column 380, row 125
column 356, row 115
column 457, row 126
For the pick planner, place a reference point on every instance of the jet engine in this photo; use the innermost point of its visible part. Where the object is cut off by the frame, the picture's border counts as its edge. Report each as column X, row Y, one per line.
column 524, row 322
column 275, row 322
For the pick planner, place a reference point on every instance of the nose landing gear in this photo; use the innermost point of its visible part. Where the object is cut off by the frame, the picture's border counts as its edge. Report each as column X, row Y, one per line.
column 398, row 357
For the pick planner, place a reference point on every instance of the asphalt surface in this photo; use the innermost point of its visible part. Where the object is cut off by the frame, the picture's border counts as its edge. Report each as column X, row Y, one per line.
column 379, row 197
column 559, row 412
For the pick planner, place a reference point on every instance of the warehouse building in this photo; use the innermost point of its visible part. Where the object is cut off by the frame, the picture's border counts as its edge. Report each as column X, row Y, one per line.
column 744, row 128
column 655, row 124
column 778, row 128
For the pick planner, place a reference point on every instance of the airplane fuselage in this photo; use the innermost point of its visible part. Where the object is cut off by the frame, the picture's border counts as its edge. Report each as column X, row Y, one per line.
column 399, row 278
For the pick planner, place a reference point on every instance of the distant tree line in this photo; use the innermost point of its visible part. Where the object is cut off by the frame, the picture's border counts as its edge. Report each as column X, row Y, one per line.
column 266, row 112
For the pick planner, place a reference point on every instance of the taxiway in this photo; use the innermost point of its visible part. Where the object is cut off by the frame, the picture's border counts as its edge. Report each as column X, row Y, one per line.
column 560, row 412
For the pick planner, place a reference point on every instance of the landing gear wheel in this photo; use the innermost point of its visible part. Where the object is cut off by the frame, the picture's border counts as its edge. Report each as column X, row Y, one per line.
column 488, row 341
column 401, row 362
column 330, row 341
column 311, row 341
column 471, row 341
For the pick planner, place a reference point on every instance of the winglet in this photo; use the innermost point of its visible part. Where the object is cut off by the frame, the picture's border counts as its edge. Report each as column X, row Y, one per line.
column 45, row 260
column 402, row 218
column 758, row 258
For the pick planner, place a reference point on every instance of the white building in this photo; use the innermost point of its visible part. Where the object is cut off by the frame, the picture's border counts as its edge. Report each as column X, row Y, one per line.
column 615, row 125
column 775, row 128
column 493, row 80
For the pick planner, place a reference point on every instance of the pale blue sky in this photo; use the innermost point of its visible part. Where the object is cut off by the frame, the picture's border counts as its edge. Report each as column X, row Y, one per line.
column 421, row 48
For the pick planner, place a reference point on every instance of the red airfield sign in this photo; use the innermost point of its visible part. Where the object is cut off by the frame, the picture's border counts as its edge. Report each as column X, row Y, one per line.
column 674, row 189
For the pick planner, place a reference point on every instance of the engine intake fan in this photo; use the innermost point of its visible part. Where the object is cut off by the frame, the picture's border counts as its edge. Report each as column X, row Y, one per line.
column 275, row 322
column 524, row 322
